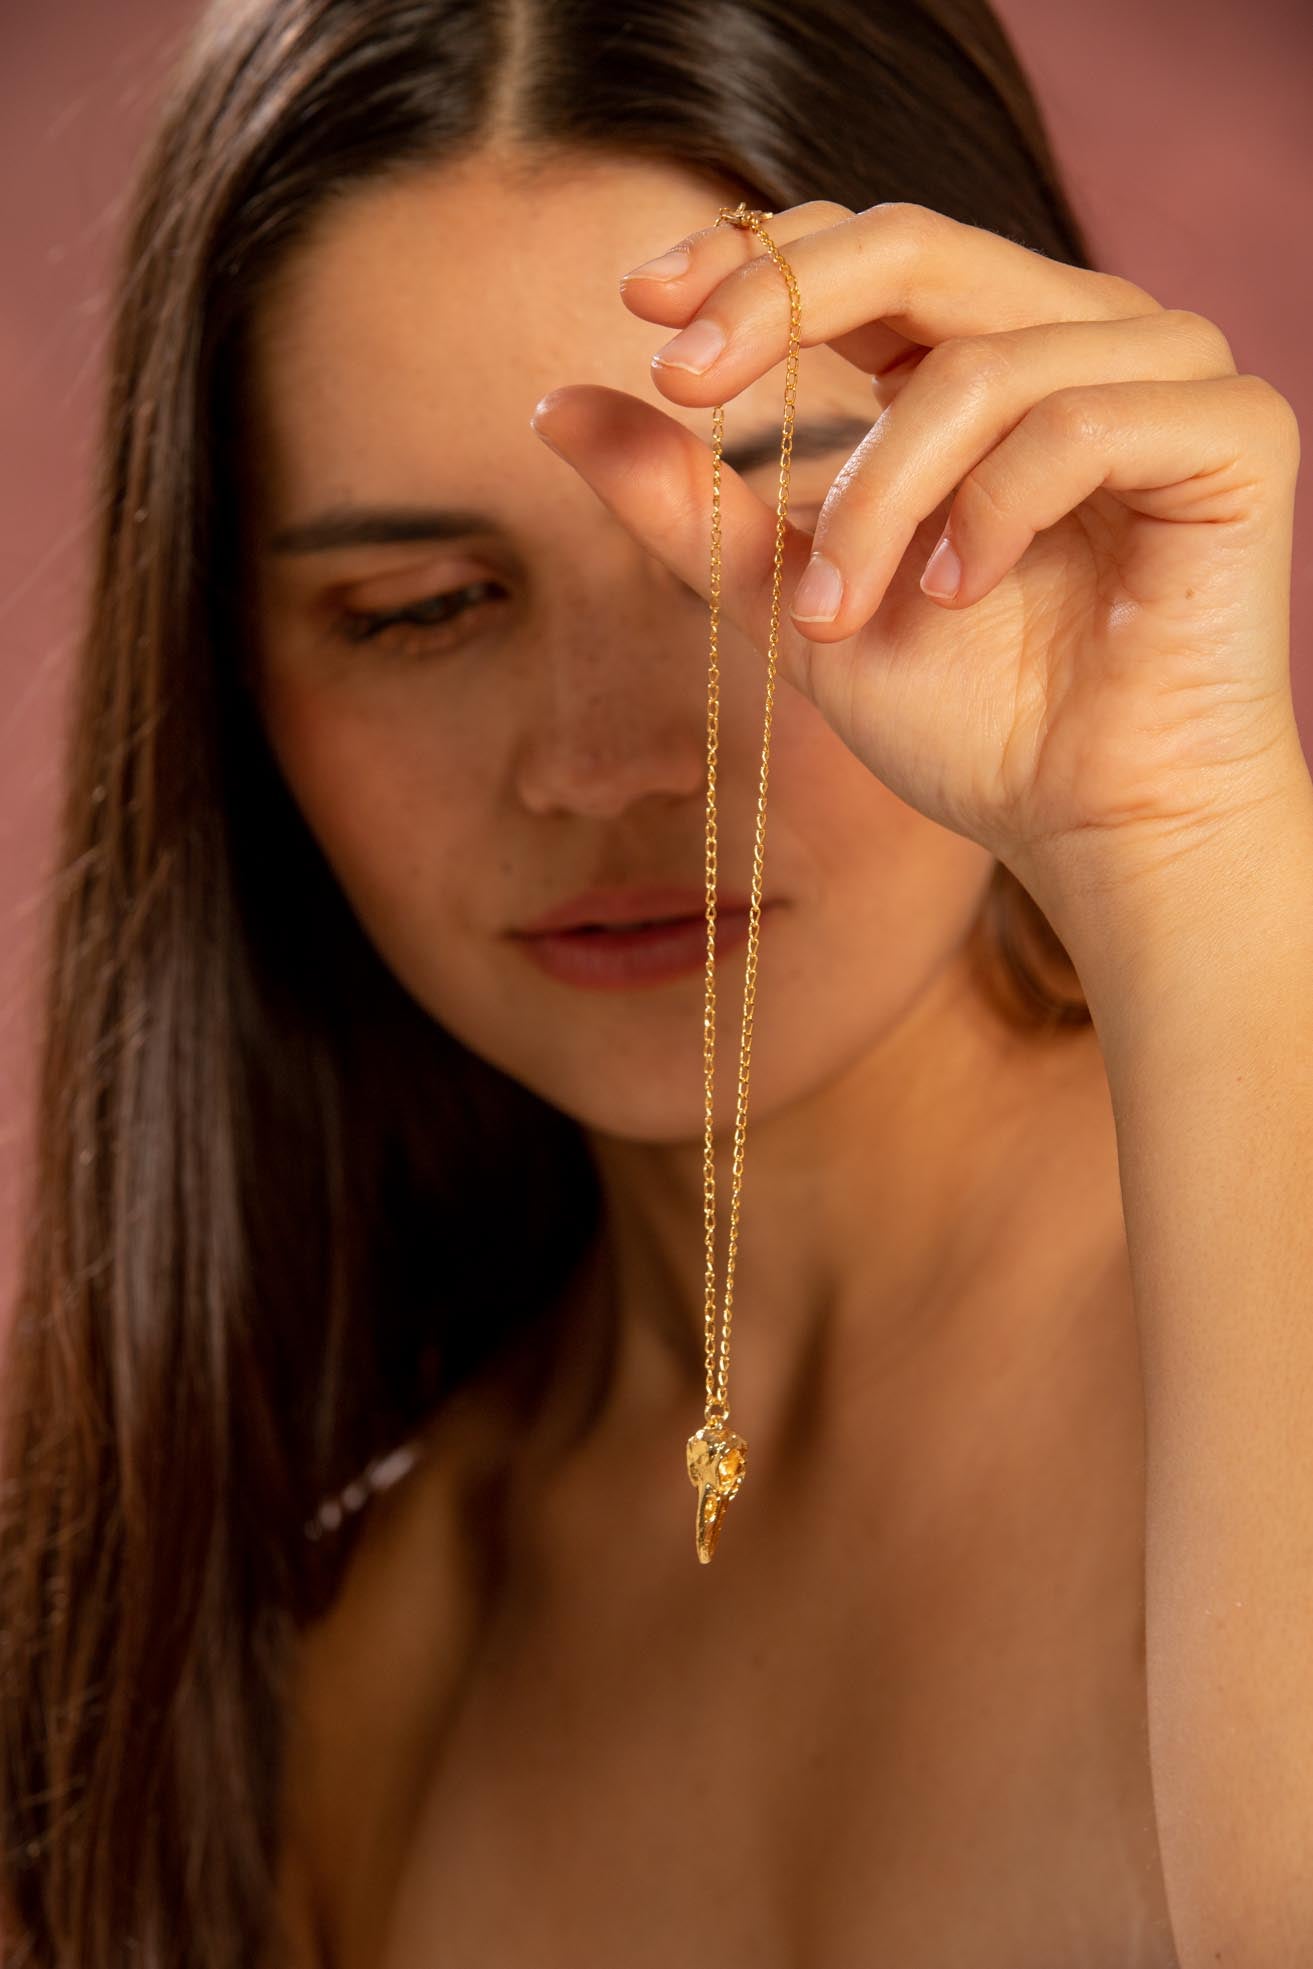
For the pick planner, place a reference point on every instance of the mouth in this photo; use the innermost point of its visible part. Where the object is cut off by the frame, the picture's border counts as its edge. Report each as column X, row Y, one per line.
column 639, row 923
column 646, row 950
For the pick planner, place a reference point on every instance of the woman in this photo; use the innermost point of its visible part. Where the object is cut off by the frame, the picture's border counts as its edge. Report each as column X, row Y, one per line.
column 349, row 1596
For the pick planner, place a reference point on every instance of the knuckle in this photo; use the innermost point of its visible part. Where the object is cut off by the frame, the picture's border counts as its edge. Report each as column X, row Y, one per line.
column 981, row 488
column 1126, row 298
column 969, row 363
column 824, row 211
column 1200, row 334
column 856, row 496
column 1265, row 400
column 905, row 221
column 1265, row 397
column 1076, row 415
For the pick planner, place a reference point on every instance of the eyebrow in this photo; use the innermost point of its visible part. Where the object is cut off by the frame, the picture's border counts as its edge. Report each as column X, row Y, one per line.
column 383, row 526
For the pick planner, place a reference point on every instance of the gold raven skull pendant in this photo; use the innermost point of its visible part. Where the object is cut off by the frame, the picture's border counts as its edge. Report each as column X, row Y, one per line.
column 717, row 1463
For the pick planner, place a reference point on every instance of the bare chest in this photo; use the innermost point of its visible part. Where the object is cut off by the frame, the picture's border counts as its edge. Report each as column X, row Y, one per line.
column 864, row 1734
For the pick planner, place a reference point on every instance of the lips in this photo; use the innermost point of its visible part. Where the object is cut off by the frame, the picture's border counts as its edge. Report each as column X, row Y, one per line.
column 636, row 904
column 626, row 938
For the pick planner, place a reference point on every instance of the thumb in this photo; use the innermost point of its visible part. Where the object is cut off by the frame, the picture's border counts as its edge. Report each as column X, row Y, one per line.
column 655, row 475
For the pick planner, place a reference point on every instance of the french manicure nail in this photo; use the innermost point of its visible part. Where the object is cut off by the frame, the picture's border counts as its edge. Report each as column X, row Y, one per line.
column 695, row 348
column 819, row 592
column 666, row 266
column 942, row 576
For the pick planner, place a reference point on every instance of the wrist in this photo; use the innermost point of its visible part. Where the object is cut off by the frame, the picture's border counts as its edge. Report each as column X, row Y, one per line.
column 1171, row 908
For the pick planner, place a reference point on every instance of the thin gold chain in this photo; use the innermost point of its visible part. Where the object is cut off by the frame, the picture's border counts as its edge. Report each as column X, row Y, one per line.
column 716, row 1457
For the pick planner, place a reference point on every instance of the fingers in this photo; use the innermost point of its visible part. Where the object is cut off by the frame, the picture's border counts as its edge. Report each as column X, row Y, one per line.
column 687, row 274
column 871, row 284
column 946, row 427
column 707, row 256
column 655, row 476
column 1183, row 453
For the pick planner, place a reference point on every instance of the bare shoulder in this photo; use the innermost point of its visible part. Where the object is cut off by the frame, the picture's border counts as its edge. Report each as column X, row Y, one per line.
column 373, row 1683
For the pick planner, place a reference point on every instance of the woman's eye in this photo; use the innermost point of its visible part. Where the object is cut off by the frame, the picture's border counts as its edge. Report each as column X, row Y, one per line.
column 417, row 620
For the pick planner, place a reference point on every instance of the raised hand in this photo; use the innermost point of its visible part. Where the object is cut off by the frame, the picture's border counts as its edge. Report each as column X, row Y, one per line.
column 1112, row 667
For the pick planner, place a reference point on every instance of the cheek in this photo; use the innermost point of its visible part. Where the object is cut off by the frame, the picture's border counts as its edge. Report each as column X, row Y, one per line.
column 394, row 807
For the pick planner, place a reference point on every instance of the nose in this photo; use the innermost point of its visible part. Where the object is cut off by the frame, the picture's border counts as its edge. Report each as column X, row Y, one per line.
column 617, row 706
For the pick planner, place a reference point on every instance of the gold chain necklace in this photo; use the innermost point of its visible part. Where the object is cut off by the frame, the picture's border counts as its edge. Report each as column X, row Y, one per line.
column 716, row 1456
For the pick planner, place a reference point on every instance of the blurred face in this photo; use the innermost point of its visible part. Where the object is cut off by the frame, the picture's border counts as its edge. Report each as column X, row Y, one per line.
column 486, row 697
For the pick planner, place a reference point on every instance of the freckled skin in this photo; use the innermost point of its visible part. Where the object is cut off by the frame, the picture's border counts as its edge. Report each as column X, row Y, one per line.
column 562, row 740
column 568, row 738
column 925, row 1194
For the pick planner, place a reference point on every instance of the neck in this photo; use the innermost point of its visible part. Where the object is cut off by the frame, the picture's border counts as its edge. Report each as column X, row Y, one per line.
column 880, row 1213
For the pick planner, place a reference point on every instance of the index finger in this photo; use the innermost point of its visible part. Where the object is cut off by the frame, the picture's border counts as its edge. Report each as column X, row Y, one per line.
column 868, row 281
column 674, row 294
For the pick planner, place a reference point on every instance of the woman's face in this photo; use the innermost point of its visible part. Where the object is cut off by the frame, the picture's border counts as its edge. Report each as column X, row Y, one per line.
column 544, row 730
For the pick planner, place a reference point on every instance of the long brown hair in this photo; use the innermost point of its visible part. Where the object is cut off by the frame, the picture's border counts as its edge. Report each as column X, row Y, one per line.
column 260, row 1249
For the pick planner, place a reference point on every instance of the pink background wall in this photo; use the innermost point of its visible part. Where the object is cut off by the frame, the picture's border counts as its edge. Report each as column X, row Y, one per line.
column 1183, row 126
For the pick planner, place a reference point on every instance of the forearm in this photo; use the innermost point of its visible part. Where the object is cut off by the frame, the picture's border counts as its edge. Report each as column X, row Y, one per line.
column 1201, row 988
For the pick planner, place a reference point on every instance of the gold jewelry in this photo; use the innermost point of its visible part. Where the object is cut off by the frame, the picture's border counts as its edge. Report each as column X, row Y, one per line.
column 715, row 1455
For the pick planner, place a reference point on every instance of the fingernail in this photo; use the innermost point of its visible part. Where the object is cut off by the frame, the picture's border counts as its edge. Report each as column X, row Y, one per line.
column 540, row 409
column 819, row 592
column 943, row 572
column 666, row 266
column 696, row 348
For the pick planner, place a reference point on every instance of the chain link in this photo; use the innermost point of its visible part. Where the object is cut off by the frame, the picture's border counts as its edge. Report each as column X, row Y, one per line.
column 717, row 1358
